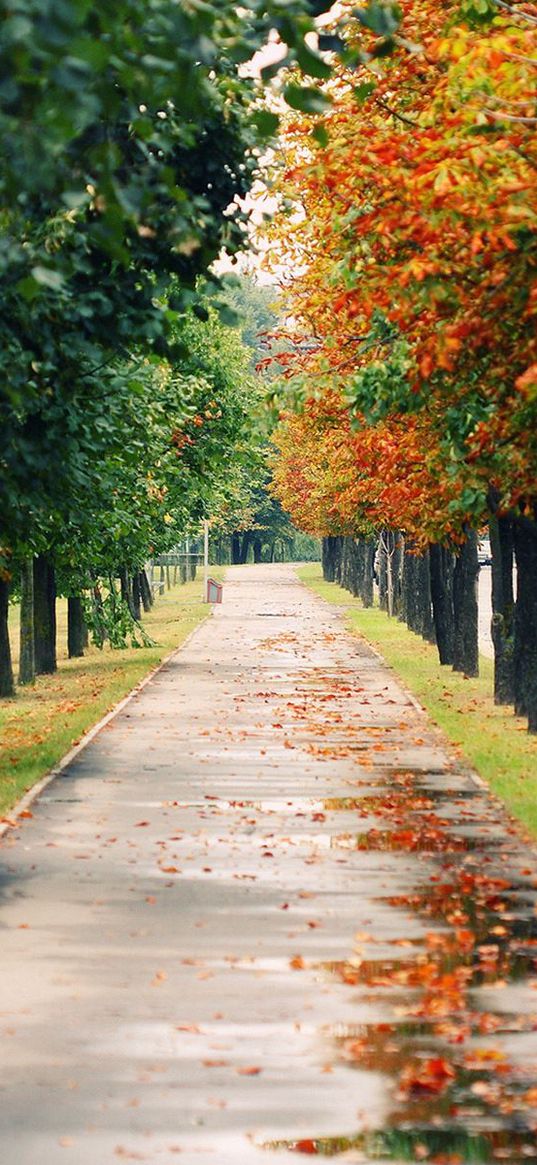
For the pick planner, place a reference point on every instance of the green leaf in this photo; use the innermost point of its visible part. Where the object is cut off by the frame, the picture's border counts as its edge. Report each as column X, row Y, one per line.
column 74, row 198
column 47, row 277
column 28, row 288
column 363, row 91
column 384, row 48
column 17, row 28
column 321, row 135
column 201, row 312
column 382, row 19
column 311, row 64
column 306, row 99
column 478, row 11
column 266, row 122
column 328, row 43
column 228, row 315
column 317, row 7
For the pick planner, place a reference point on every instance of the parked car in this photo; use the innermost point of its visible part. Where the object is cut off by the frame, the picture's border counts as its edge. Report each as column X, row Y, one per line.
column 484, row 553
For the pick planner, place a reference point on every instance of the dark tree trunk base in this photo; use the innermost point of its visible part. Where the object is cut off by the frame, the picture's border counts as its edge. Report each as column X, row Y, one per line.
column 136, row 597
column 145, row 591
column 465, row 608
column 503, row 609
column 76, row 627
column 126, row 589
column 7, row 687
column 27, row 645
column 44, row 616
column 525, row 537
column 331, row 554
column 441, row 564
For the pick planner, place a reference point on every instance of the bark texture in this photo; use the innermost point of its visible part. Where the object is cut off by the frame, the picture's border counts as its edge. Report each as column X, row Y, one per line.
column 145, row 591
column 525, row 539
column 441, row 566
column 465, row 575
column 77, row 633
column 27, row 646
column 136, row 596
column 331, row 551
column 503, row 609
column 7, row 687
column 44, row 615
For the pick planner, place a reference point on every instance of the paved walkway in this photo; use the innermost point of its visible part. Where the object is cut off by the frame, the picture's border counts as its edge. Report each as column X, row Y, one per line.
column 265, row 914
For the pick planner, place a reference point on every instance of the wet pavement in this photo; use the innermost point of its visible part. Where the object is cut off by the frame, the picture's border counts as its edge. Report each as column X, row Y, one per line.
column 266, row 915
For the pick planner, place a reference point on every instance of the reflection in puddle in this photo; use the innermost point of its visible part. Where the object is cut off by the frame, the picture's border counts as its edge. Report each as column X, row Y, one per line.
column 455, row 1045
column 441, row 1146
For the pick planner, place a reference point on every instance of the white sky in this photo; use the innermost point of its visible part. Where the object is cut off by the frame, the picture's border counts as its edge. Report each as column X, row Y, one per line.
column 259, row 202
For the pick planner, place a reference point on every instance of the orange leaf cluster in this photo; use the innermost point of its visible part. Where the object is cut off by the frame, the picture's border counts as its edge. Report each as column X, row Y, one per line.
column 421, row 211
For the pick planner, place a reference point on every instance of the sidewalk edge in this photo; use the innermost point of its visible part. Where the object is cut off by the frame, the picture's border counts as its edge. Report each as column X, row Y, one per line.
column 23, row 805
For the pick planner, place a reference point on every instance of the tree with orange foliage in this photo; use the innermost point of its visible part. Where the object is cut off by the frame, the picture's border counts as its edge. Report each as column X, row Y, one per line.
column 417, row 287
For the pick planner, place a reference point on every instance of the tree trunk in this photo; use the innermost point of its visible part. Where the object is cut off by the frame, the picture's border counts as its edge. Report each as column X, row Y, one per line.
column 258, row 547
column 525, row 539
column 425, row 604
column 465, row 575
column 389, row 571
column 382, row 570
column 367, row 579
column 397, row 556
column 126, row 589
column 441, row 565
column 245, row 547
column 346, row 570
column 76, row 627
column 330, row 557
column 7, row 687
column 409, row 610
column 44, row 616
column 339, row 560
column 503, row 609
column 27, row 645
column 417, row 603
column 136, row 596
column 235, row 549
column 145, row 591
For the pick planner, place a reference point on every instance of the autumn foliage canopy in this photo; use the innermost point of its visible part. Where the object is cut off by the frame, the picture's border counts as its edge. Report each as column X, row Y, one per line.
column 412, row 237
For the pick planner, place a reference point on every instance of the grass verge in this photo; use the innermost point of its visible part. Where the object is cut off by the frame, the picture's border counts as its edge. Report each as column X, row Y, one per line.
column 493, row 741
column 44, row 720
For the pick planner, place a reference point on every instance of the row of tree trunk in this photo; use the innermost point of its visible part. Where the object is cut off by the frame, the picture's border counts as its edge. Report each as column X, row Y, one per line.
column 38, row 629
column 435, row 593
column 236, row 549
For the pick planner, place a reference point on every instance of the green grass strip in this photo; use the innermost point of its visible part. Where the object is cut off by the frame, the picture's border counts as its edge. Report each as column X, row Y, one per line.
column 490, row 738
column 44, row 720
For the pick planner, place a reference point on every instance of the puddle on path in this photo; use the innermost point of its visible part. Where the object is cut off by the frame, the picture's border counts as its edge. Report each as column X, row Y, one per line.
column 459, row 1047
